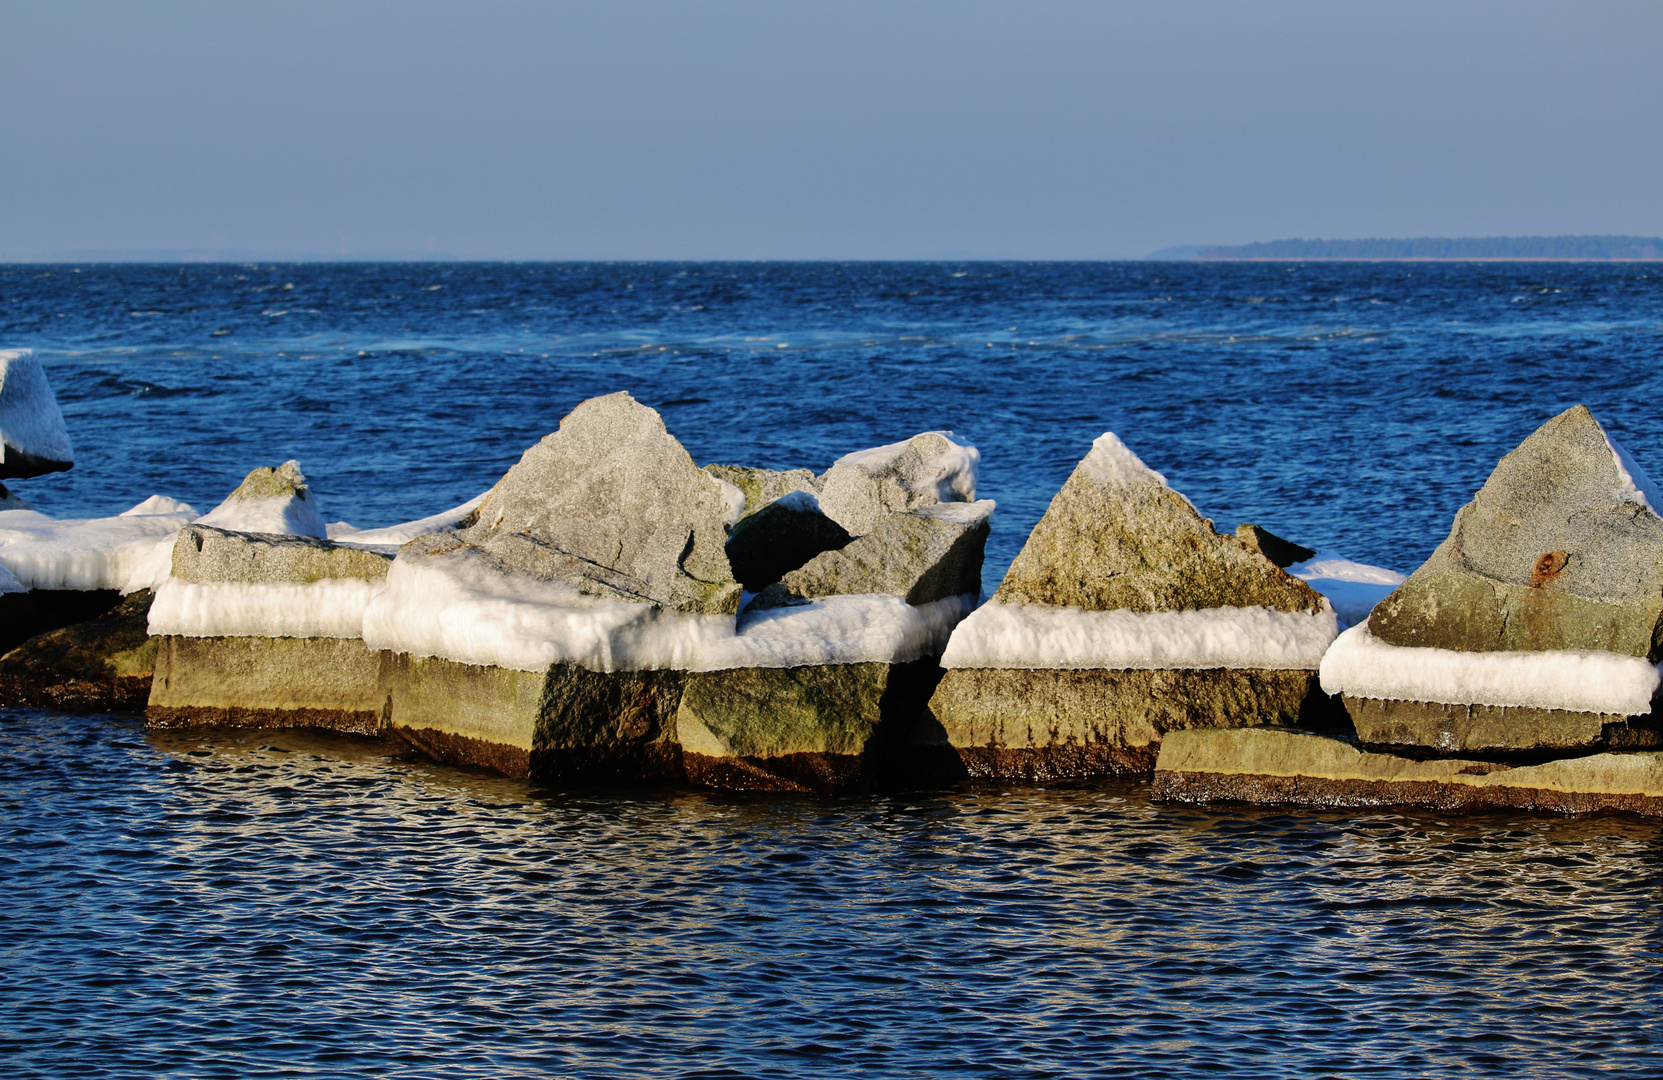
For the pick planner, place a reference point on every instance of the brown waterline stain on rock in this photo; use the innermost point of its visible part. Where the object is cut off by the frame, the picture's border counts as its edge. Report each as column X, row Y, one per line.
column 349, row 722
column 452, row 749
column 125, row 695
column 1192, row 787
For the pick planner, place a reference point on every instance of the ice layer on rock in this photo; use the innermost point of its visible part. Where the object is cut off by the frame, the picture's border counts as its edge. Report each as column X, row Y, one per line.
column 332, row 608
column 1038, row 636
column 459, row 608
column 97, row 553
column 1361, row 665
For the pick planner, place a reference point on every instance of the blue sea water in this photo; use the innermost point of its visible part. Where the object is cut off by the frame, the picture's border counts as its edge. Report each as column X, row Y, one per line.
column 222, row 904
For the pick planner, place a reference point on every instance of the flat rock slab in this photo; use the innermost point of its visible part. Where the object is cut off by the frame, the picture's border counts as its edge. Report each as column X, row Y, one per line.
column 203, row 554
column 1493, row 729
column 1278, row 766
column 256, row 682
column 1042, row 725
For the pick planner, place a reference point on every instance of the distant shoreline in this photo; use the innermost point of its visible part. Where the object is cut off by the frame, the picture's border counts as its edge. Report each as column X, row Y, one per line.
column 1430, row 249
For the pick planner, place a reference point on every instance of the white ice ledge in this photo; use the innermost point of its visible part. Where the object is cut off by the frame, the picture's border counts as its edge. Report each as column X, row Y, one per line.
column 1362, row 665
column 1038, row 636
column 454, row 608
column 333, row 607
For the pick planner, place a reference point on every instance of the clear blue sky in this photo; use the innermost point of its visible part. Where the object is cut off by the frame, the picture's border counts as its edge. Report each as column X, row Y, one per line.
column 635, row 129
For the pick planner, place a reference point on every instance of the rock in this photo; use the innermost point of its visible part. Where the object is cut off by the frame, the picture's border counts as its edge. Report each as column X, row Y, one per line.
column 780, row 537
column 1039, row 726
column 1534, row 626
column 270, row 500
column 920, row 557
column 1125, row 617
column 1494, row 731
column 103, row 663
column 1283, row 553
column 830, row 729
column 1268, row 765
column 613, row 504
column 862, row 488
column 262, row 630
column 1562, row 548
column 1117, row 537
column 764, row 486
column 10, row 500
column 33, row 438
column 204, row 554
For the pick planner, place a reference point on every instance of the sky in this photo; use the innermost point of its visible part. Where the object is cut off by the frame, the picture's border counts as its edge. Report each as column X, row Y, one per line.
column 729, row 129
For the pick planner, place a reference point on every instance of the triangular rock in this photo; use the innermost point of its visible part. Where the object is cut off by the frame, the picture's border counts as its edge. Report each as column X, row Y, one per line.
column 1562, row 548
column 1117, row 537
column 613, row 504
column 270, row 501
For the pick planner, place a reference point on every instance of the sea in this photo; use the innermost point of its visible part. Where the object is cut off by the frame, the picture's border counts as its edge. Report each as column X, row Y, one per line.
column 291, row 904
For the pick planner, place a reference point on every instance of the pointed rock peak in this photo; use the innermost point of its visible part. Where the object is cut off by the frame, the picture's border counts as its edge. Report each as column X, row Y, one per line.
column 1118, row 537
column 1570, row 461
column 1561, row 549
column 1637, row 486
column 613, row 504
column 33, row 439
column 267, row 483
column 270, row 501
column 1112, row 463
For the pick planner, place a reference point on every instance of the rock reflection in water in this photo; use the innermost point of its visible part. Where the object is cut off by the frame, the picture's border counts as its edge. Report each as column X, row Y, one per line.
column 229, row 903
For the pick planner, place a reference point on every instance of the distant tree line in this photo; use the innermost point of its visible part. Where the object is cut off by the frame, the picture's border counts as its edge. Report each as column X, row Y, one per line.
column 1495, row 247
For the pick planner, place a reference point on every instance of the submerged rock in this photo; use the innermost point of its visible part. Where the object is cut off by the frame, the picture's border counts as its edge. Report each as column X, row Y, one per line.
column 1268, row 765
column 33, row 438
column 1124, row 617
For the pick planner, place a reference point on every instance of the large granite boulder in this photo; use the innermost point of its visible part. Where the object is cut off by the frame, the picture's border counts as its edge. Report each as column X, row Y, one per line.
column 612, row 504
column 586, row 627
column 1535, row 626
column 265, row 630
column 1125, row 616
column 1281, row 766
column 33, row 438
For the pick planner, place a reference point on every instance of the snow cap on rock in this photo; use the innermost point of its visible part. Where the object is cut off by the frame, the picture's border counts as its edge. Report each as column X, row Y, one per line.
column 33, row 439
column 270, row 501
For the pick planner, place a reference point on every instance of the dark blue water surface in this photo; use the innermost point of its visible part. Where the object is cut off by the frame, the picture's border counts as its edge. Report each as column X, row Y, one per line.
column 281, row 904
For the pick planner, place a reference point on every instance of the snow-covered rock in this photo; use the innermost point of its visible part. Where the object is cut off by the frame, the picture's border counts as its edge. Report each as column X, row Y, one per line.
column 861, row 488
column 1545, row 599
column 86, row 554
column 33, row 438
column 1125, row 615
